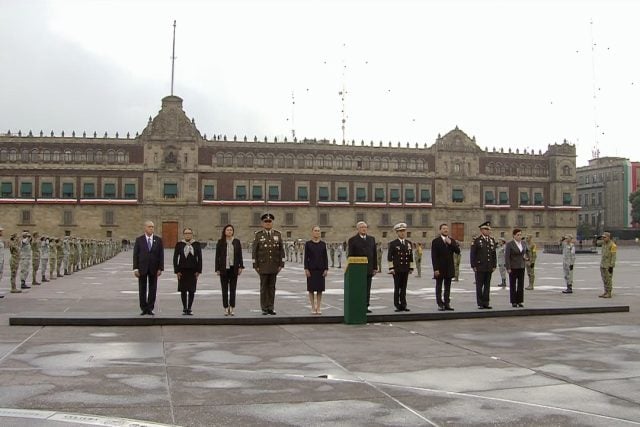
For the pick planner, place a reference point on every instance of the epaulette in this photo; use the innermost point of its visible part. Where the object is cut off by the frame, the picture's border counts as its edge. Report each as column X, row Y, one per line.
column 614, row 247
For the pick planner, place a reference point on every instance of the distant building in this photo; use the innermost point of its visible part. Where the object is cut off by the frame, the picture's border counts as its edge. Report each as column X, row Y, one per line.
column 100, row 186
column 603, row 192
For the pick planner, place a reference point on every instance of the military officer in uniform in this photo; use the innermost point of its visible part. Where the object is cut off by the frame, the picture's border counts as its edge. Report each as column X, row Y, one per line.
column 483, row 263
column 531, row 264
column 14, row 261
column 25, row 259
column 400, row 257
column 268, row 259
column 568, row 259
column 35, row 257
column 500, row 259
column 608, row 261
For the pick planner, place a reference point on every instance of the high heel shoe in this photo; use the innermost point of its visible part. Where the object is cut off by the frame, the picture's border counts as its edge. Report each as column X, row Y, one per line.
column 231, row 311
column 226, row 311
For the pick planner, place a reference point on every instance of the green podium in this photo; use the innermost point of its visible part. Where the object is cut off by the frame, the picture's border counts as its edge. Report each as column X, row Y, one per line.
column 355, row 291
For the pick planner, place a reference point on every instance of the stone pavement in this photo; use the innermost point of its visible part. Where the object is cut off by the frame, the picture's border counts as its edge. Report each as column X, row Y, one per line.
column 526, row 370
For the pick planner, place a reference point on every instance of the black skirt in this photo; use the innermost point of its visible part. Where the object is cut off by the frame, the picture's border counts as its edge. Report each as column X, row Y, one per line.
column 315, row 283
column 188, row 281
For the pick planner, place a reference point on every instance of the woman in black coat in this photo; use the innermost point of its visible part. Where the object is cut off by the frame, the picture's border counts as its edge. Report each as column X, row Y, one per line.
column 229, row 266
column 187, row 264
column 316, row 267
column 516, row 255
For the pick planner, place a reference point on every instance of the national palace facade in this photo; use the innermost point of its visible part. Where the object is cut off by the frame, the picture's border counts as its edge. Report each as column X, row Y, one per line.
column 104, row 187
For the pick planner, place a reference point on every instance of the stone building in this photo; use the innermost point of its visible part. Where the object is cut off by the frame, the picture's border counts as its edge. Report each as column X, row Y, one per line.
column 603, row 190
column 106, row 187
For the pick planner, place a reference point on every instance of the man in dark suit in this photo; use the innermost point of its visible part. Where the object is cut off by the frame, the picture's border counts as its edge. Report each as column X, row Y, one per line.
column 364, row 245
column 400, row 257
column 268, row 260
column 483, row 263
column 148, row 264
column 442, row 249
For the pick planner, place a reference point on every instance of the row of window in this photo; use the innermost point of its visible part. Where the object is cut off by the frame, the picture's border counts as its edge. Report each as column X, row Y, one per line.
column 525, row 198
column 65, row 156
column 522, row 169
column 599, row 177
column 66, row 191
column 583, row 199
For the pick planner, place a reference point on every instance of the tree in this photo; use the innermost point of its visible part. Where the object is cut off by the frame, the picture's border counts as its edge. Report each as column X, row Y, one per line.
column 585, row 231
column 634, row 199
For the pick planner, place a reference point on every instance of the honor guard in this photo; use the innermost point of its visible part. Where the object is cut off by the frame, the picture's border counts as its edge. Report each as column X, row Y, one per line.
column 400, row 258
column 268, row 259
column 483, row 263
column 608, row 261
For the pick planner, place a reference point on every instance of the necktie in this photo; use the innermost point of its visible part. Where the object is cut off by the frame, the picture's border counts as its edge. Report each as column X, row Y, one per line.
column 149, row 243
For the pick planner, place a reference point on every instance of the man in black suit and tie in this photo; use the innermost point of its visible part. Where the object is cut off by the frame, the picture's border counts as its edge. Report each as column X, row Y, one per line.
column 442, row 249
column 148, row 264
column 363, row 245
column 400, row 257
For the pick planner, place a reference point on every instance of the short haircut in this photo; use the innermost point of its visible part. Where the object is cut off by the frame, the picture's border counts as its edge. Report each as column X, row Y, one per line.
column 443, row 224
column 516, row 231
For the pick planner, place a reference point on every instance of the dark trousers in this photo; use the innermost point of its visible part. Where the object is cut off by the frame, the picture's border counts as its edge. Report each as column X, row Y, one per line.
column 483, row 287
column 400, row 289
column 228, row 281
column 369, row 289
column 443, row 300
column 147, row 293
column 516, row 286
column 267, row 291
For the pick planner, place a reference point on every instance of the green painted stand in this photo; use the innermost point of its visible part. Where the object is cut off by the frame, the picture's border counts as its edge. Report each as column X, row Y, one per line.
column 355, row 291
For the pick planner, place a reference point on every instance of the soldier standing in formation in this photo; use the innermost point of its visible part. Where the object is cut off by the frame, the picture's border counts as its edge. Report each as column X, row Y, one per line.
column 483, row 263
column 332, row 254
column 568, row 259
column 339, row 252
column 14, row 261
column 44, row 257
column 500, row 260
column 59, row 256
column 456, row 264
column 25, row 259
column 607, row 263
column 35, row 258
column 418, row 259
column 531, row 264
column 400, row 257
column 268, row 261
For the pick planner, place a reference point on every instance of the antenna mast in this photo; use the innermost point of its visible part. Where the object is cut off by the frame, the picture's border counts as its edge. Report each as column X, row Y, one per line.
column 343, row 94
column 173, row 55
column 293, row 117
column 596, row 150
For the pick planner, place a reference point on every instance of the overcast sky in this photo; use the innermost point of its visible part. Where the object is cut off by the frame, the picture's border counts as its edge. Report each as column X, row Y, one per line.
column 518, row 74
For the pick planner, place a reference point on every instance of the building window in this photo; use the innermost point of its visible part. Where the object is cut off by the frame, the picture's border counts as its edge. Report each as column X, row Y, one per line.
column 361, row 194
column 67, row 218
column 488, row 198
column 323, row 194
column 503, row 198
column 394, row 195
column 424, row 219
column 457, row 195
column 241, row 192
column 46, row 190
column 109, row 191
column 130, row 191
column 274, row 192
column 524, row 198
column 566, row 199
column 408, row 219
column 224, row 218
column 109, row 217
column 599, row 199
column 566, row 171
column 384, row 219
column 89, row 190
column 26, row 189
column 256, row 192
column 67, row 190
column 170, row 190
column 7, row 189
column 303, row 193
column 256, row 218
column 503, row 221
column 520, row 221
column 323, row 218
column 538, row 200
column 537, row 219
column 425, row 196
column 26, row 217
column 289, row 218
column 489, row 218
column 360, row 217
column 342, row 194
column 379, row 194
column 208, row 192
column 409, row 195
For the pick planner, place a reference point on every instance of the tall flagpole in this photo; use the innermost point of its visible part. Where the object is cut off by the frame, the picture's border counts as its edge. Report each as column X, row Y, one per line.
column 173, row 55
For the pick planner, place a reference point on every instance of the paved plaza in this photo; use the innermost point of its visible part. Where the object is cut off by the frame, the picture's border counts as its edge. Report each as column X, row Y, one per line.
column 524, row 370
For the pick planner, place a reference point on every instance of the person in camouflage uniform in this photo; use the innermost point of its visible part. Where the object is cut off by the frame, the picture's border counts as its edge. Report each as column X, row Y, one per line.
column 35, row 257
column 25, row 259
column 607, row 263
column 568, row 259
column 44, row 257
column 456, row 265
column 66, row 255
column 53, row 257
column 530, row 265
column 14, row 261
column 62, row 255
column 500, row 260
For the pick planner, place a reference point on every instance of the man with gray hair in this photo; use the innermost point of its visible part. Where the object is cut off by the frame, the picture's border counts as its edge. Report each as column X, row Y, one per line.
column 363, row 245
column 568, row 259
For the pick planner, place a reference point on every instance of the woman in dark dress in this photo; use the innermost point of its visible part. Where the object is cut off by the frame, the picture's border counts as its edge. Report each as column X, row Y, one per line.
column 316, row 266
column 229, row 266
column 187, row 264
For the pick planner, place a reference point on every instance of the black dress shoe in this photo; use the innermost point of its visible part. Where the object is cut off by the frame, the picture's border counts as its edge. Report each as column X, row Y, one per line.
column 265, row 312
column 142, row 313
column 150, row 313
column 520, row 305
column 189, row 313
column 514, row 305
column 488, row 307
column 405, row 309
column 448, row 308
column 25, row 287
column 481, row 307
column 271, row 312
column 440, row 308
column 398, row 309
